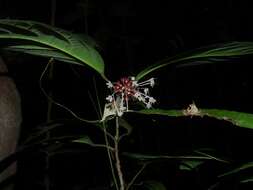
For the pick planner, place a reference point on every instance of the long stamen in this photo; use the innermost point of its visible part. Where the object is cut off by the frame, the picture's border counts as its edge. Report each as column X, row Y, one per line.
column 147, row 82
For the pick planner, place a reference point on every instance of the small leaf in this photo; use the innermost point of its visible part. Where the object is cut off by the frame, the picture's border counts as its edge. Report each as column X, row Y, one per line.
column 240, row 119
column 190, row 164
column 154, row 185
column 84, row 140
column 204, row 55
column 35, row 136
column 88, row 141
column 123, row 123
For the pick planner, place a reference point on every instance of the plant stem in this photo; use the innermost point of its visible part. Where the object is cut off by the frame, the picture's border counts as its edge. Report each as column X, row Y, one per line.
column 109, row 156
column 135, row 177
column 116, row 151
column 50, row 104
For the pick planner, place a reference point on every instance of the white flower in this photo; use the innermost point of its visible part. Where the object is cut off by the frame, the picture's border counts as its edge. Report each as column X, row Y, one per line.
column 146, row 91
column 148, row 105
column 127, row 88
column 109, row 98
column 152, row 100
column 132, row 78
column 109, row 84
column 152, row 82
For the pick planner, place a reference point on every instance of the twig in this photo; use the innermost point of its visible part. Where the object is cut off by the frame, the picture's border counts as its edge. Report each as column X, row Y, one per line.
column 98, row 100
column 58, row 104
column 116, row 148
column 50, row 103
column 136, row 175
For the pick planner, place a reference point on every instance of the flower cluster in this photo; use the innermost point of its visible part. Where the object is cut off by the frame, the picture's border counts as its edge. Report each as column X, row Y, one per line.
column 127, row 88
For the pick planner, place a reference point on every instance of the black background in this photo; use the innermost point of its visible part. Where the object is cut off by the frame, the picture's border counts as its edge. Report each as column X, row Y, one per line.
column 132, row 35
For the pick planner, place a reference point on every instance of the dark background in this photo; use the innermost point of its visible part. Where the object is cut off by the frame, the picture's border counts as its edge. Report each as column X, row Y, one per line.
column 132, row 35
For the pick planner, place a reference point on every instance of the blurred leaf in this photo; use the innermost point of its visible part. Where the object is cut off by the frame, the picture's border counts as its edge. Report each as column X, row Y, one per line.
column 88, row 141
column 123, row 123
column 41, row 130
column 146, row 157
column 248, row 180
column 204, row 55
column 245, row 166
column 40, row 39
column 190, row 164
column 153, row 185
column 240, row 119
column 84, row 140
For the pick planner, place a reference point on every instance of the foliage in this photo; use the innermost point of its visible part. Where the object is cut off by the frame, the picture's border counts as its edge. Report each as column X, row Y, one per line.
column 42, row 40
column 239, row 119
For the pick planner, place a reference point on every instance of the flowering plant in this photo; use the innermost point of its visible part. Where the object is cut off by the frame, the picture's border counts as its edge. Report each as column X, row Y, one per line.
column 40, row 39
column 125, row 90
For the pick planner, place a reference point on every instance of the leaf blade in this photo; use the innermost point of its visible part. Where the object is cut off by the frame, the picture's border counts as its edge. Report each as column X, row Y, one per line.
column 154, row 185
column 240, row 119
column 242, row 167
column 205, row 54
column 79, row 50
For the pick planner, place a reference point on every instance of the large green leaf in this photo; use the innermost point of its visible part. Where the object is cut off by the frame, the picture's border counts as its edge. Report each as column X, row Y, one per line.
column 206, row 54
column 43, row 40
column 240, row 119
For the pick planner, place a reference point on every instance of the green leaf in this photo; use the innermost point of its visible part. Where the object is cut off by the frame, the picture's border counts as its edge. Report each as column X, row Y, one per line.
column 190, row 164
column 171, row 113
column 84, row 140
column 248, row 180
column 148, row 158
column 153, row 185
column 240, row 119
column 123, row 123
column 208, row 54
column 40, row 39
column 41, row 51
column 238, row 169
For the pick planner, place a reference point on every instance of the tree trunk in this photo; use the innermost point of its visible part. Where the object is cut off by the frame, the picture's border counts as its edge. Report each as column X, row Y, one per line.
column 10, row 119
